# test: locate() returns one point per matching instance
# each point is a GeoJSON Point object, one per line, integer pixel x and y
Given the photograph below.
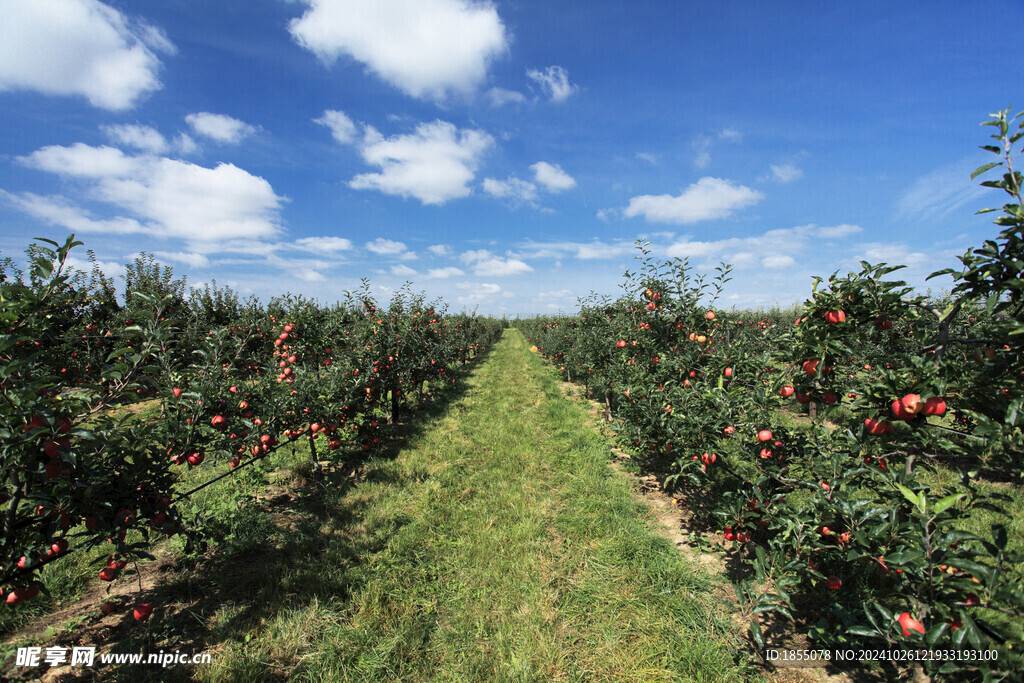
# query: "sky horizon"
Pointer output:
{"type": "Point", "coordinates": [504, 156]}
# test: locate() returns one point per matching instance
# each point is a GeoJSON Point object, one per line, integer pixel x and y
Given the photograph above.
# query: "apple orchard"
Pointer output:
{"type": "Point", "coordinates": [845, 453]}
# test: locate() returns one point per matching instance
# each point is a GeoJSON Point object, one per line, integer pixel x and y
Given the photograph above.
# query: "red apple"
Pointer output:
{"type": "Point", "coordinates": [936, 405]}
{"type": "Point", "coordinates": [835, 317]}
{"type": "Point", "coordinates": [900, 412]}
{"type": "Point", "coordinates": [764, 435]}
{"type": "Point", "coordinates": [877, 427]}
{"type": "Point", "coordinates": [787, 391]}
{"type": "Point", "coordinates": [21, 594]}
{"type": "Point", "coordinates": [142, 612]}
{"type": "Point", "coordinates": [912, 403]}
{"type": "Point", "coordinates": [909, 623]}
{"type": "Point", "coordinates": [108, 607]}
{"type": "Point", "coordinates": [835, 583]}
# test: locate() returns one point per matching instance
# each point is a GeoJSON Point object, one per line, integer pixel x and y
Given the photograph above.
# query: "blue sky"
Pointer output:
{"type": "Point", "coordinates": [502, 155]}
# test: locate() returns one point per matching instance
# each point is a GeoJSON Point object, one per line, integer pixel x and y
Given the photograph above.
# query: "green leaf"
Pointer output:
{"type": "Point", "coordinates": [936, 632]}
{"type": "Point", "coordinates": [973, 632]}
{"type": "Point", "coordinates": [1013, 410]}
{"type": "Point", "coordinates": [981, 169]}
{"type": "Point", "coordinates": [992, 302]}
{"type": "Point", "coordinates": [999, 535]}
{"type": "Point", "coordinates": [909, 495]}
{"type": "Point", "coordinates": [117, 353]}
{"type": "Point", "coordinates": [945, 503]}
{"type": "Point", "coordinates": [944, 271]}
{"type": "Point", "coordinates": [862, 631]}
{"type": "Point", "coordinates": [755, 633]}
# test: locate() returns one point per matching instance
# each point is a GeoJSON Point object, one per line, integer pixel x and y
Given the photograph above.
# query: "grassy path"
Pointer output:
{"type": "Point", "coordinates": [499, 546]}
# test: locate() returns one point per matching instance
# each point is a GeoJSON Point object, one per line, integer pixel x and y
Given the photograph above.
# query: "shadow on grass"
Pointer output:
{"type": "Point", "coordinates": [307, 546]}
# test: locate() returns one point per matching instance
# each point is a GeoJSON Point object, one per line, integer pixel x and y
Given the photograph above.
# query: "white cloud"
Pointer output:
{"type": "Point", "coordinates": [403, 271]}
{"type": "Point", "coordinates": [442, 273]}
{"type": "Point", "coordinates": [940, 192]}
{"type": "Point", "coordinates": [743, 259]}
{"type": "Point", "coordinates": [648, 157]}
{"type": "Point", "coordinates": [498, 267]}
{"type": "Point", "coordinates": [320, 244]}
{"type": "Point", "coordinates": [478, 292]}
{"type": "Point", "coordinates": [687, 248]}
{"type": "Point", "coordinates": [837, 231]}
{"type": "Point", "coordinates": [773, 249]}
{"type": "Point", "coordinates": [79, 47]}
{"type": "Point", "coordinates": [167, 197]}
{"type": "Point", "coordinates": [185, 144]}
{"type": "Point", "coordinates": [199, 203]}
{"type": "Point", "coordinates": [554, 81]}
{"type": "Point", "coordinates": [786, 173]}
{"type": "Point", "coordinates": [439, 249]}
{"type": "Point", "coordinates": [219, 127]}
{"type": "Point", "coordinates": [111, 269]}
{"type": "Point", "coordinates": [143, 138]}
{"type": "Point", "coordinates": [435, 164]}
{"type": "Point", "coordinates": [513, 188]}
{"type": "Point", "coordinates": [500, 97]}
{"type": "Point", "coordinates": [385, 247]}
{"type": "Point", "coordinates": [702, 145]}
{"type": "Point", "coordinates": [893, 254]}
{"type": "Point", "coordinates": [426, 48]}
{"type": "Point", "coordinates": [560, 294]}
{"type": "Point", "coordinates": [57, 210]}
{"type": "Point", "coordinates": [306, 274]}
{"type": "Point", "coordinates": [307, 270]}
{"type": "Point", "coordinates": [582, 250]}
{"type": "Point", "coordinates": [778, 261]}
{"type": "Point", "coordinates": [343, 130]}
{"type": "Point", "coordinates": [707, 199]}
{"type": "Point", "coordinates": [186, 257]}
{"type": "Point", "coordinates": [552, 177]}
{"type": "Point", "coordinates": [83, 161]}
{"type": "Point", "coordinates": [474, 255]}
